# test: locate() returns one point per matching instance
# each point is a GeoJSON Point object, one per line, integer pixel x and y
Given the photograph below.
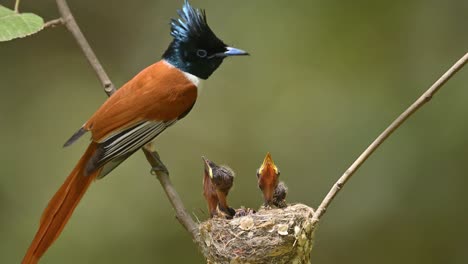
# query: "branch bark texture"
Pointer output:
{"type": "Point", "coordinates": [74, 29]}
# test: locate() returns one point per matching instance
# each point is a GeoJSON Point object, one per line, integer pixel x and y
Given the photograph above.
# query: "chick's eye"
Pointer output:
{"type": "Point", "coordinates": [202, 53]}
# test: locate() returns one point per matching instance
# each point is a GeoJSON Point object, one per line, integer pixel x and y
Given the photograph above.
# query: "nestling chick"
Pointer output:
{"type": "Point", "coordinates": [267, 176]}
{"type": "Point", "coordinates": [209, 191]}
{"type": "Point", "coordinates": [279, 196]}
{"type": "Point", "coordinates": [222, 179]}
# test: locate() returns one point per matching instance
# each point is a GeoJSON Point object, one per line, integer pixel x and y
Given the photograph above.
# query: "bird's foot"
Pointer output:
{"type": "Point", "coordinates": [158, 165]}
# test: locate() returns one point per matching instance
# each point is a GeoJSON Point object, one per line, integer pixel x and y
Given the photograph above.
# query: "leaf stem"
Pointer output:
{"type": "Point", "coordinates": [53, 23]}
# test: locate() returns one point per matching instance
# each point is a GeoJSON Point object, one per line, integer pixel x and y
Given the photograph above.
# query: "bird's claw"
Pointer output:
{"type": "Point", "coordinates": [159, 166]}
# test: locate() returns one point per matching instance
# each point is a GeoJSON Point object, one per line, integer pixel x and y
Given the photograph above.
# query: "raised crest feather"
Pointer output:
{"type": "Point", "coordinates": [192, 23]}
{"type": "Point", "coordinates": [195, 49]}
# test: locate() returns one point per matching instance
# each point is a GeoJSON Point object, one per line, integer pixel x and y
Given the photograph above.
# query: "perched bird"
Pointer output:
{"type": "Point", "coordinates": [140, 110]}
{"type": "Point", "coordinates": [268, 175]}
{"type": "Point", "coordinates": [279, 196]}
{"type": "Point", "coordinates": [222, 179]}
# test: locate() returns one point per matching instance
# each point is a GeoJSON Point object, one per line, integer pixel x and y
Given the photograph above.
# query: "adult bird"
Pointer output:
{"type": "Point", "coordinates": [221, 179]}
{"type": "Point", "coordinates": [267, 176]}
{"type": "Point", "coordinates": [140, 110]}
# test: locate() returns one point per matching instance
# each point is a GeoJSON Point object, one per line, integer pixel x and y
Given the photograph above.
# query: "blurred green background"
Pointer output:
{"type": "Point", "coordinates": [324, 79]}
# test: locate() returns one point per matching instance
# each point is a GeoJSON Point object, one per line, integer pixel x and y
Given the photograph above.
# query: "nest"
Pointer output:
{"type": "Point", "coordinates": [267, 236]}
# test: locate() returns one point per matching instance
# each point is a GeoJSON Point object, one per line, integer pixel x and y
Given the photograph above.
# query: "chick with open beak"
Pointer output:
{"type": "Point", "coordinates": [209, 191]}
{"type": "Point", "coordinates": [217, 182]}
{"type": "Point", "coordinates": [268, 175]}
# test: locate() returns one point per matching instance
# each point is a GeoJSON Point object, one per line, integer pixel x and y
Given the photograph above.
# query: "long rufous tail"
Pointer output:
{"type": "Point", "coordinates": [60, 208]}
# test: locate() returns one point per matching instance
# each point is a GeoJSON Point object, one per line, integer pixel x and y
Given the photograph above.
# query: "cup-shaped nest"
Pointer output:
{"type": "Point", "coordinates": [268, 236]}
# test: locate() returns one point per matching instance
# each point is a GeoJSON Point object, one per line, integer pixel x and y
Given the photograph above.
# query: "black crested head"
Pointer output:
{"type": "Point", "coordinates": [195, 48]}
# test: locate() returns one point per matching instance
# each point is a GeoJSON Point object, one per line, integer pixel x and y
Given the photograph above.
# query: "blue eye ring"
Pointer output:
{"type": "Point", "coordinates": [202, 53]}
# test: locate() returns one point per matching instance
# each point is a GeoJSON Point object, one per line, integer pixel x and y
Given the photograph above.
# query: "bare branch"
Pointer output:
{"type": "Point", "coordinates": [181, 213]}
{"type": "Point", "coordinates": [72, 26]}
{"type": "Point", "coordinates": [53, 23]}
{"type": "Point", "coordinates": [426, 97]}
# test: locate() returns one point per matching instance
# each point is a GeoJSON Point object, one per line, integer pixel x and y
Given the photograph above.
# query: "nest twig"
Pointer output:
{"type": "Point", "coordinates": [268, 236]}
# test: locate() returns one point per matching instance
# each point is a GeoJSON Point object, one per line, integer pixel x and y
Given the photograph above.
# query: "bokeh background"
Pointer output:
{"type": "Point", "coordinates": [324, 79]}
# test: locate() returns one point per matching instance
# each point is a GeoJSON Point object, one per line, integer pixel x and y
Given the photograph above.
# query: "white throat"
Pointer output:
{"type": "Point", "coordinates": [192, 78]}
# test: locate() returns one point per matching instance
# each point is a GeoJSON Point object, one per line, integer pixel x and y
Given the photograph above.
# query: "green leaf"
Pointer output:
{"type": "Point", "coordinates": [18, 25]}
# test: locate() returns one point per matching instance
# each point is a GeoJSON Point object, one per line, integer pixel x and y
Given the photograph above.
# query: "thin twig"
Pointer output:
{"type": "Point", "coordinates": [181, 213]}
{"type": "Point", "coordinates": [53, 23]}
{"type": "Point", "coordinates": [17, 6]}
{"type": "Point", "coordinates": [425, 97]}
{"type": "Point", "coordinates": [72, 26]}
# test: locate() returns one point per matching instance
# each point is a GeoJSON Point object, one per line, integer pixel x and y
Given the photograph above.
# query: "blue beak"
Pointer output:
{"type": "Point", "coordinates": [230, 51]}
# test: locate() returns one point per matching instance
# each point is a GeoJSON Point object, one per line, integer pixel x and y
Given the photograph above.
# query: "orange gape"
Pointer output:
{"type": "Point", "coordinates": [267, 183]}
{"type": "Point", "coordinates": [60, 208]}
{"type": "Point", "coordinates": [268, 175]}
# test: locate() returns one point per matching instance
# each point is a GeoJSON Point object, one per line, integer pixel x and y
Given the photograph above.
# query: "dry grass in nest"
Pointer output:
{"type": "Point", "coordinates": [268, 236]}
